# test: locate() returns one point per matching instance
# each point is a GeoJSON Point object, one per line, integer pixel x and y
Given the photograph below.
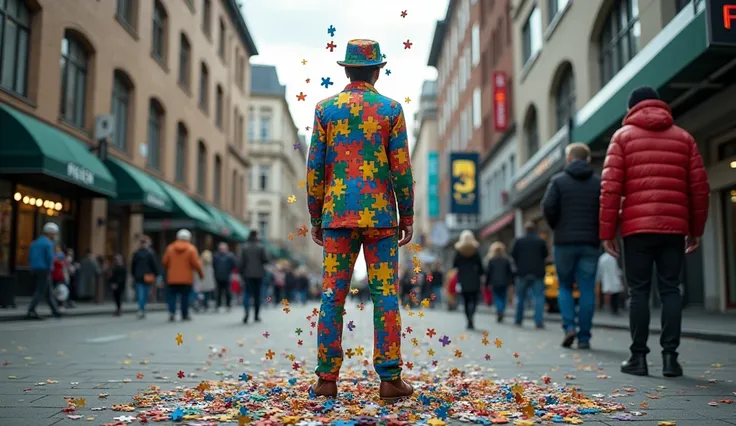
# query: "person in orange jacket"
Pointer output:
{"type": "Point", "coordinates": [181, 261]}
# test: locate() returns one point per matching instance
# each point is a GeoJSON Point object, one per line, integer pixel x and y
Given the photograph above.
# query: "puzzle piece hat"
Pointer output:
{"type": "Point", "coordinates": [363, 53]}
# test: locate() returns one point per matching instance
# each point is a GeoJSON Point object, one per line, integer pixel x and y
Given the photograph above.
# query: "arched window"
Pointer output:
{"type": "Point", "coordinates": [74, 66]}
{"type": "Point", "coordinates": [201, 168]}
{"type": "Point", "coordinates": [204, 83]}
{"type": "Point", "coordinates": [15, 28]}
{"type": "Point", "coordinates": [158, 41]}
{"type": "Point", "coordinates": [221, 40]}
{"type": "Point", "coordinates": [234, 202]}
{"type": "Point", "coordinates": [219, 101]}
{"type": "Point", "coordinates": [185, 61]}
{"type": "Point", "coordinates": [565, 97]}
{"type": "Point", "coordinates": [619, 39]}
{"type": "Point", "coordinates": [155, 133]}
{"type": "Point", "coordinates": [218, 179]}
{"type": "Point", "coordinates": [531, 133]}
{"type": "Point", "coordinates": [122, 91]}
{"type": "Point", "coordinates": [182, 140]}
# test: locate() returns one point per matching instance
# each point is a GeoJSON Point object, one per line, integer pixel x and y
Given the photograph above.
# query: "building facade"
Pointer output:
{"type": "Point", "coordinates": [170, 79]}
{"type": "Point", "coordinates": [576, 63]}
{"type": "Point", "coordinates": [278, 155]}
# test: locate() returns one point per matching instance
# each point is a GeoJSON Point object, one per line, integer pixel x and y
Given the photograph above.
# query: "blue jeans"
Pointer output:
{"type": "Point", "coordinates": [522, 289]}
{"type": "Point", "coordinates": [182, 292]}
{"type": "Point", "coordinates": [499, 298]}
{"type": "Point", "coordinates": [141, 293]}
{"type": "Point", "coordinates": [577, 263]}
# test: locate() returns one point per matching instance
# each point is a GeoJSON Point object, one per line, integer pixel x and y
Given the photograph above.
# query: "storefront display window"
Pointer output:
{"type": "Point", "coordinates": [729, 218]}
{"type": "Point", "coordinates": [6, 218]}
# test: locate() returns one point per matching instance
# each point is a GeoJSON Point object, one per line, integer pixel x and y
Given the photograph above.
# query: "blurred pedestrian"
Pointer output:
{"type": "Point", "coordinates": [253, 260]}
{"type": "Point", "coordinates": [90, 272]}
{"type": "Point", "coordinates": [609, 275]}
{"type": "Point", "coordinates": [438, 280]}
{"type": "Point", "coordinates": [117, 279]}
{"type": "Point", "coordinates": [405, 285]}
{"type": "Point", "coordinates": [530, 254]}
{"type": "Point", "coordinates": [290, 281]}
{"type": "Point", "coordinates": [570, 207]}
{"type": "Point", "coordinates": [469, 273]}
{"type": "Point", "coordinates": [41, 262]}
{"type": "Point", "coordinates": [181, 262]}
{"type": "Point", "coordinates": [71, 277]}
{"type": "Point", "coordinates": [223, 264]}
{"type": "Point", "coordinates": [58, 277]}
{"type": "Point", "coordinates": [145, 271]}
{"type": "Point", "coordinates": [656, 188]}
{"type": "Point", "coordinates": [452, 290]}
{"type": "Point", "coordinates": [302, 287]}
{"type": "Point", "coordinates": [205, 286]}
{"type": "Point", "coordinates": [500, 276]}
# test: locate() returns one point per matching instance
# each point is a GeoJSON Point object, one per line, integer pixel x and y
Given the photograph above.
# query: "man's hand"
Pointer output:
{"type": "Point", "coordinates": [611, 247]}
{"type": "Point", "coordinates": [405, 232]}
{"type": "Point", "coordinates": [691, 244]}
{"type": "Point", "coordinates": [317, 235]}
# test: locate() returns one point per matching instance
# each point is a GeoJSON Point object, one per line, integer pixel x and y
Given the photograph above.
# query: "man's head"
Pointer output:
{"type": "Point", "coordinates": [51, 230]}
{"type": "Point", "coordinates": [577, 151]}
{"type": "Point", "coordinates": [530, 227]}
{"type": "Point", "coordinates": [222, 247]}
{"type": "Point", "coordinates": [363, 74]}
{"type": "Point", "coordinates": [640, 94]}
{"type": "Point", "coordinates": [253, 236]}
{"type": "Point", "coordinates": [184, 235]}
{"type": "Point", "coordinates": [145, 242]}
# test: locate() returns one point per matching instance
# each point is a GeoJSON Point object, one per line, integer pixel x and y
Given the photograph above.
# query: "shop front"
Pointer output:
{"type": "Point", "coordinates": [497, 215]}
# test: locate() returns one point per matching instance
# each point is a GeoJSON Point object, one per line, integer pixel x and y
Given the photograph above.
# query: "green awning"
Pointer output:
{"type": "Point", "coordinates": [138, 187]}
{"type": "Point", "coordinates": [219, 224]}
{"type": "Point", "coordinates": [30, 146]}
{"type": "Point", "coordinates": [239, 229]}
{"type": "Point", "coordinates": [187, 208]}
{"type": "Point", "coordinates": [272, 250]}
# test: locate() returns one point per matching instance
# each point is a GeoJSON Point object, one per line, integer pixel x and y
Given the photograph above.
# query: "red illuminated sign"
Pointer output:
{"type": "Point", "coordinates": [729, 15]}
{"type": "Point", "coordinates": [721, 22]}
{"type": "Point", "coordinates": [500, 102]}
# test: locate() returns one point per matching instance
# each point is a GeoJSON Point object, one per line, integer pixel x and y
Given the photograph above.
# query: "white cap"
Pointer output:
{"type": "Point", "coordinates": [50, 228]}
{"type": "Point", "coordinates": [184, 235]}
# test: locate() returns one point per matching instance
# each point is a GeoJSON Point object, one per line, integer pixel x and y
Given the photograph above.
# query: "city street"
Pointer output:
{"type": "Point", "coordinates": [111, 368]}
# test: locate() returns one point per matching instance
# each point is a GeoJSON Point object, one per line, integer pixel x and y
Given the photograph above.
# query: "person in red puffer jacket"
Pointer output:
{"type": "Point", "coordinates": [655, 187]}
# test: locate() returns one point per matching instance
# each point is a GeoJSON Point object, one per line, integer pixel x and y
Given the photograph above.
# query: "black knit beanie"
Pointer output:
{"type": "Point", "coordinates": [642, 94]}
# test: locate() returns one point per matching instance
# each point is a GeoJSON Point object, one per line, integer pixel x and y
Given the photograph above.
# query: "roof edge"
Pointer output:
{"type": "Point", "coordinates": [234, 10]}
{"type": "Point", "coordinates": [438, 40]}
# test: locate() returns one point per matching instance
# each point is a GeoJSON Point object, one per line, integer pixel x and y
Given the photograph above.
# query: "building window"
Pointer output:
{"type": "Point", "coordinates": [531, 133]}
{"type": "Point", "coordinates": [204, 84]}
{"type": "Point", "coordinates": [185, 58]}
{"type": "Point", "coordinates": [221, 40]}
{"type": "Point", "coordinates": [263, 172]}
{"type": "Point", "coordinates": [477, 113]}
{"type": "Point", "coordinates": [15, 23]}
{"type": "Point", "coordinates": [218, 106]}
{"type": "Point", "coordinates": [124, 12]}
{"type": "Point", "coordinates": [475, 38]}
{"type": "Point", "coordinates": [263, 219]}
{"type": "Point", "coordinates": [265, 133]}
{"type": "Point", "coordinates": [158, 44]}
{"type": "Point", "coordinates": [201, 168]}
{"type": "Point", "coordinates": [207, 18]}
{"type": "Point", "coordinates": [565, 97]}
{"type": "Point", "coordinates": [182, 139]}
{"type": "Point", "coordinates": [74, 64]}
{"type": "Point", "coordinates": [120, 109]}
{"type": "Point", "coordinates": [251, 124]}
{"type": "Point", "coordinates": [218, 179]}
{"type": "Point", "coordinates": [241, 125]}
{"type": "Point", "coordinates": [680, 4]}
{"type": "Point", "coordinates": [619, 39]}
{"type": "Point", "coordinates": [531, 35]}
{"type": "Point", "coordinates": [241, 196]}
{"type": "Point", "coordinates": [555, 7]}
{"type": "Point", "coordinates": [155, 130]}
{"type": "Point", "coordinates": [234, 195]}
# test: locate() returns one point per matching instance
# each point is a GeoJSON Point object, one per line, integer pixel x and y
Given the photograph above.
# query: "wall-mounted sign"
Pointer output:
{"type": "Point", "coordinates": [464, 167]}
{"type": "Point", "coordinates": [500, 102]}
{"type": "Point", "coordinates": [80, 174]}
{"type": "Point", "coordinates": [539, 169]}
{"type": "Point", "coordinates": [155, 201]}
{"type": "Point", "coordinates": [721, 22]}
{"type": "Point", "coordinates": [433, 184]}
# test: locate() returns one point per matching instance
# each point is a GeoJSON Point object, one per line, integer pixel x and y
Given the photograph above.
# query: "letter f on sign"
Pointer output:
{"type": "Point", "coordinates": [729, 15]}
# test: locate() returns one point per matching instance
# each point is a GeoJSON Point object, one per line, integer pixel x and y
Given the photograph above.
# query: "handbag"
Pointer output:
{"type": "Point", "coordinates": [149, 278]}
{"type": "Point", "coordinates": [487, 296]}
{"type": "Point", "coordinates": [235, 283]}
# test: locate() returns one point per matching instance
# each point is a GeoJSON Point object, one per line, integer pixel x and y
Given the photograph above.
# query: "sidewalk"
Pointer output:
{"type": "Point", "coordinates": [81, 309]}
{"type": "Point", "coordinates": [696, 323]}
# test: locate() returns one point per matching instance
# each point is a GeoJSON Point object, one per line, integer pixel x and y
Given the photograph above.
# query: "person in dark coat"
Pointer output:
{"type": "Point", "coordinates": [145, 270]}
{"type": "Point", "coordinates": [253, 261]}
{"type": "Point", "coordinates": [500, 275]}
{"type": "Point", "coordinates": [469, 272]}
{"type": "Point", "coordinates": [530, 254]}
{"type": "Point", "coordinates": [223, 264]}
{"type": "Point", "coordinates": [117, 279]}
{"type": "Point", "coordinates": [438, 279]}
{"type": "Point", "coordinates": [570, 207]}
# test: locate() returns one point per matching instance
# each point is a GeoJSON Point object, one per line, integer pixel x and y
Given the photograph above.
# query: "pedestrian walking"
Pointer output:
{"type": "Point", "coordinates": [223, 264]}
{"type": "Point", "coordinates": [181, 262]}
{"type": "Point", "coordinates": [530, 255]}
{"type": "Point", "coordinates": [469, 273]}
{"type": "Point", "coordinates": [205, 286]}
{"type": "Point", "coordinates": [570, 206]}
{"type": "Point", "coordinates": [656, 188]}
{"type": "Point", "coordinates": [253, 261]}
{"type": "Point", "coordinates": [290, 280]}
{"type": "Point", "coordinates": [500, 275]}
{"type": "Point", "coordinates": [41, 262]}
{"type": "Point", "coordinates": [609, 275]}
{"type": "Point", "coordinates": [344, 146]}
{"type": "Point", "coordinates": [88, 276]}
{"type": "Point", "coordinates": [452, 290]}
{"type": "Point", "coordinates": [145, 270]}
{"type": "Point", "coordinates": [58, 278]}
{"type": "Point", "coordinates": [438, 278]}
{"type": "Point", "coordinates": [117, 279]}
{"type": "Point", "coordinates": [405, 285]}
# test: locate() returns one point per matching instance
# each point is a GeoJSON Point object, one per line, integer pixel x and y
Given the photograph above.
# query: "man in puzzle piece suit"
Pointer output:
{"type": "Point", "coordinates": [357, 171]}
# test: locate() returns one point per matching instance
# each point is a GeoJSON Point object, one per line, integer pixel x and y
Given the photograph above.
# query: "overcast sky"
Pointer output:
{"type": "Point", "coordinates": [287, 31]}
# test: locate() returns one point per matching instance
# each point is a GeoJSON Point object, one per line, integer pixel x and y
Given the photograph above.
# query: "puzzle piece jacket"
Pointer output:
{"type": "Point", "coordinates": [358, 168]}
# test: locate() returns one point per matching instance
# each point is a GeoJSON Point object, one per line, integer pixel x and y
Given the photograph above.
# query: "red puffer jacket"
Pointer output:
{"type": "Point", "coordinates": [656, 169]}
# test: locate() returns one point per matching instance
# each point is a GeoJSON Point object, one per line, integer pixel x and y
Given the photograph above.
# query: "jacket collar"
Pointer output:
{"type": "Point", "coordinates": [361, 86]}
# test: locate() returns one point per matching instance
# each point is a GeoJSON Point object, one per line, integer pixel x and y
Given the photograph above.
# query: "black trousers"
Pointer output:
{"type": "Point", "coordinates": [252, 289]}
{"type": "Point", "coordinates": [641, 253]}
{"type": "Point", "coordinates": [223, 288]}
{"type": "Point", "coordinates": [470, 300]}
{"type": "Point", "coordinates": [117, 295]}
{"type": "Point", "coordinates": [42, 280]}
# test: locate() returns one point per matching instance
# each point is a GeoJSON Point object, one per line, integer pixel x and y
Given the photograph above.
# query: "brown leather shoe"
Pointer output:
{"type": "Point", "coordinates": [325, 388]}
{"type": "Point", "coordinates": [394, 390]}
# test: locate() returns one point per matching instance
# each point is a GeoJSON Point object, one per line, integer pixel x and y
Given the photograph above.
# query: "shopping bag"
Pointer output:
{"type": "Point", "coordinates": [487, 296]}
{"type": "Point", "coordinates": [235, 286]}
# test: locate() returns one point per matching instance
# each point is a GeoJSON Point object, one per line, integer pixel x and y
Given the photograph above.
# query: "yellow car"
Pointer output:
{"type": "Point", "coordinates": [552, 289]}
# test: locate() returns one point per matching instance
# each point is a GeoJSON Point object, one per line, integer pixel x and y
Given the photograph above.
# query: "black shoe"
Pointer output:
{"type": "Point", "coordinates": [186, 318]}
{"type": "Point", "coordinates": [583, 345]}
{"type": "Point", "coordinates": [540, 326]}
{"type": "Point", "coordinates": [499, 318]}
{"type": "Point", "coordinates": [172, 318]}
{"type": "Point", "coordinates": [258, 319]}
{"type": "Point", "coordinates": [569, 339]}
{"type": "Point", "coordinates": [245, 319]}
{"type": "Point", "coordinates": [33, 316]}
{"type": "Point", "coordinates": [636, 365]}
{"type": "Point", "coordinates": [470, 326]}
{"type": "Point", "coordinates": [670, 366]}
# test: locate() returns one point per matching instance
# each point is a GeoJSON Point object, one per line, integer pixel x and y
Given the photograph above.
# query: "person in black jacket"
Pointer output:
{"type": "Point", "coordinates": [145, 271]}
{"type": "Point", "coordinates": [500, 275]}
{"type": "Point", "coordinates": [570, 206]}
{"type": "Point", "coordinates": [117, 279]}
{"type": "Point", "coordinates": [530, 254]}
{"type": "Point", "coordinates": [223, 264]}
{"type": "Point", "coordinates": [469, 272]}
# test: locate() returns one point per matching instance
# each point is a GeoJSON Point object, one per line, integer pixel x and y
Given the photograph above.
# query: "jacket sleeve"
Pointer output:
{"type": "Point", "coordinates": [479, 263]}
{"type": "Point", "coordinates": [489, 270]}
{"type": "Point", "coordinates": [401, 173]}
{"type": "Point", "coordinates": [196, 264]}
{"type": "Point", "coordinates": [699, 191]}
{"type": "Point", "coordinates": [612, 182]}
{"type": "Point", "coordinates": [316, 169]}
{"type": "Point", "coordinates": [510, 270]}
{"type": "Point", "coordinates": [551, 204]}
{"type": "Point", "coordinates": [455, 261]}
{"type": "Point", "coordinates": [153, 263]}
